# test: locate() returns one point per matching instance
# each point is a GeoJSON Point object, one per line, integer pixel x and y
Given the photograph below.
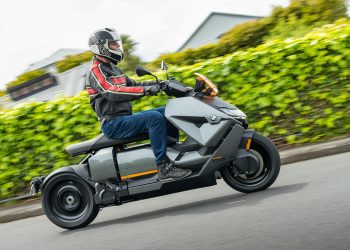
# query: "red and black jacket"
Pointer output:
{"type": "Point", "coordinates": [111, 91]}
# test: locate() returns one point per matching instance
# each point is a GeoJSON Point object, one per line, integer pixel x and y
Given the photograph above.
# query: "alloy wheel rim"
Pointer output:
{"type": "Point", "coordinates": [69, 201]}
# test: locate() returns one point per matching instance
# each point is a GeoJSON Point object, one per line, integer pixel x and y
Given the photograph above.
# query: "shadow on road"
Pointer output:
{"type": "Point", "coordinates": [200, 207]}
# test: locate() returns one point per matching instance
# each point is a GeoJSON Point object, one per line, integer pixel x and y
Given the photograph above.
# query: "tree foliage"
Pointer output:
{"type": "Point", "coordinates": [130, 61]}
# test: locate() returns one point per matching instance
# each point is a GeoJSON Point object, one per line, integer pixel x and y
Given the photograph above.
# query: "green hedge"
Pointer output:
{"type": "Point", "coordinates": [286, 87]}
{"type": "Point", "coordinates": [301, 16]}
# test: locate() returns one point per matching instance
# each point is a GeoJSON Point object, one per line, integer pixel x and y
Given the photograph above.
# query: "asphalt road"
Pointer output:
{"type": "Point", "coordinates": [307, 208]}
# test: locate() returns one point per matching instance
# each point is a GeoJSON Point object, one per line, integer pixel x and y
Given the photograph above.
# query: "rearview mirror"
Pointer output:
{"type": "Point", "coordinates": [163, 66]}
{"type": "Point", "coordinates": [141, 71]}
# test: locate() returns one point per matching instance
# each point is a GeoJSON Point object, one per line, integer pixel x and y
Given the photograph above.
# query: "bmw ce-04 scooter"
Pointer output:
{"type": "Point", "coordinates": [218, 143]}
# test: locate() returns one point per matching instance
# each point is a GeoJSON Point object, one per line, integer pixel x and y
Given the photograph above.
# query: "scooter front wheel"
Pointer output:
{"type": "Point", "coordinates": [68, 201]}
{"type": "Point", "coordinates": [269, 167]}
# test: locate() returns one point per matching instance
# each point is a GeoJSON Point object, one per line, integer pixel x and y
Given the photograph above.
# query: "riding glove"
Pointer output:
{"type": "Point", "coordinates": [152, 90]}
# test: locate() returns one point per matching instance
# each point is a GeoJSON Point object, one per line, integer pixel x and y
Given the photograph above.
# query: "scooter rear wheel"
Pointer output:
{"type": "Point", "coordinates": [264, 149]}
{"type": "Point", "coordinates": [68, 201]}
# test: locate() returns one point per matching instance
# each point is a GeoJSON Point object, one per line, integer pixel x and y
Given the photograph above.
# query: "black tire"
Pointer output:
{"type": "Point", "coordinates": [68, 201]}
{"type": "Point", "coordinates": [265, 149]}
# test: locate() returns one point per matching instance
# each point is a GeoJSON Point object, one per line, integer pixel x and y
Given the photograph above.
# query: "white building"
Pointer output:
{"type": "Point", "coordinates": [68, 83]}
{"type": "Point", "coordinates": [46, 87]}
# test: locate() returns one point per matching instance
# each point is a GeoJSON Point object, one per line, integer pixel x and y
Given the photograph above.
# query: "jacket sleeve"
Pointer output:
{"type": "Point", "coordinates": [114, 89]}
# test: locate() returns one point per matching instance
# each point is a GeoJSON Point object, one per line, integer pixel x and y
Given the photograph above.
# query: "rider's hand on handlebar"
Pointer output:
{"type": "Point", "coordinates": [152, 90]}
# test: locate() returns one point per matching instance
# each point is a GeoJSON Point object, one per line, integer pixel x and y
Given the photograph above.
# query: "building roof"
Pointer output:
{"type": "Point", "coordinates": [57, 56]}
{"type": "Point", "coordinates": [212, 16]}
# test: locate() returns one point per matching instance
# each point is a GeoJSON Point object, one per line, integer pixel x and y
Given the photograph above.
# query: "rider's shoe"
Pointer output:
{"type": "Point", "coordinates": [166, 170]}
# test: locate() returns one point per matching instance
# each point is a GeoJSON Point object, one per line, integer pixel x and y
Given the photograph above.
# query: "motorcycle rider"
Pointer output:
{"type": "Point", "coordinates": [111, 93]}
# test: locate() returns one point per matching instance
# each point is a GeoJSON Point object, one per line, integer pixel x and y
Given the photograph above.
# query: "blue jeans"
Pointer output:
{"type": "Point", "coordinates": [149, 121]}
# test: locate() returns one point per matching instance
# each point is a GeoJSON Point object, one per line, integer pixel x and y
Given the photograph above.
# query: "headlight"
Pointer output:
{"type": "Point", "coordinates": [235, 113]}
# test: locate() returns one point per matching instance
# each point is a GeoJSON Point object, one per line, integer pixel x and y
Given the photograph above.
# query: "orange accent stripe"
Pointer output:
{"type": "Point", "coordinates": [247, 147]}
{"type": "Point", "coordinates": [124, 177]}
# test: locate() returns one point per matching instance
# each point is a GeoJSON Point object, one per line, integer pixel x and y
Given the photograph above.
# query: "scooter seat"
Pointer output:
{"type": "Point", "coordinates": [100, 142]}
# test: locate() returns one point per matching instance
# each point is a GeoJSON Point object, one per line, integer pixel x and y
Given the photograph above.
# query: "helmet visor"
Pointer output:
{"type": "Point", "coordinates": [115, 45]}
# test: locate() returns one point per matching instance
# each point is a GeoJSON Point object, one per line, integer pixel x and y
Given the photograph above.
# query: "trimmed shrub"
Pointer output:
{"type": "Point", "coordinates": [301, 16]}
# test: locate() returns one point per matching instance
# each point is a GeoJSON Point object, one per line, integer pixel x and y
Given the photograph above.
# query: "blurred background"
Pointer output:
{"type": "Point", "coordinates": [284, 63]}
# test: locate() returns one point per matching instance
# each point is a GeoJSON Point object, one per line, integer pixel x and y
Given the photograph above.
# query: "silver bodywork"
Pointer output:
{"type": "Point", "coordinates": [130, 161]}
{"type": "Point", "coordinates": [102, 165]}
{"type": "Point", "coordinates": [181, 112]}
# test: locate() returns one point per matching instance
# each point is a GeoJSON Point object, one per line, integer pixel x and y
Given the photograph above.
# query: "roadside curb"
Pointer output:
{"type": "Point", "coordinates": [33, 208]}
{"type": "Point", "coordinates": [315, 151]}
{"type": "Point", "coordinates": [28, 209]}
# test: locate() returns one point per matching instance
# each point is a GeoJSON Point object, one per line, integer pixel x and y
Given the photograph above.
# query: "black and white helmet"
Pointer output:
{"type": "Point", "coordinates": [107, 43]}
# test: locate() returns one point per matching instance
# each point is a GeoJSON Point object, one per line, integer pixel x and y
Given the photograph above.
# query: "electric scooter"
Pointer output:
{"type": "Point", "coordinates": [218, 144]}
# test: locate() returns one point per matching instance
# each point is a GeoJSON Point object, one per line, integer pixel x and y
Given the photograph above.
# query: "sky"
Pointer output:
{"type": "Point", "coordinates": [33, 30]}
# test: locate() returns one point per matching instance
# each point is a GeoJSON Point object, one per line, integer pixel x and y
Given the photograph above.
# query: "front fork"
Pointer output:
{"type": "Point", "coordinates": [246, 162]}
